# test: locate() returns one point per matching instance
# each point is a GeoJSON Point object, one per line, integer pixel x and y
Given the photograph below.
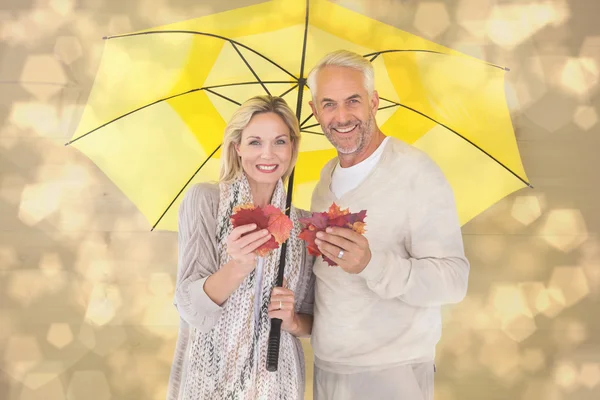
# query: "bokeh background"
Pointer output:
{"type": "Point", "coordinates": [86, 289]}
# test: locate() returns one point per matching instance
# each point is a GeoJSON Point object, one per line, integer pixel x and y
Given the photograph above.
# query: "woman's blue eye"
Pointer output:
{"type": "Point", "coordinates": [254, 142]}
{"type": "Point", "coordinates": [281, 141]}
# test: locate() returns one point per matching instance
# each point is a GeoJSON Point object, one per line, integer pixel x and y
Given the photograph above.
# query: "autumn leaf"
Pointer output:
{"type": "Point", "coordinates": [270, 209]}
{"type": "Point", "coordinates": [309, 236]}
{"type": "Point", "coordinates": [245, 206]}
{"type": "Point", "coordinates": [335, 211]}
{"type": "Point", "coordinates": [268, 217]}
{"type": "Point", "coordinates": [339, 221]}
{"type": "Point", "coordinates": [320, 221]}
{"type": "Point", "coordinates": [356, 217]}
{"type": "Point", "coordinates": [267, 247]}
{"type": "Point", "coordinates": [279, 224]}
{"type": "Point", "coordinates": [247, 216]}
{"type": "Point", "coordinates": [358, 227]}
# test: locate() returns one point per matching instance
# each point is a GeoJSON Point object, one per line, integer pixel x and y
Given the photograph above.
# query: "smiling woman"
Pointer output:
{"type": "Point", "coordinates": [224, 292]}
{"type": "Point", "coordinates": [265, 151]}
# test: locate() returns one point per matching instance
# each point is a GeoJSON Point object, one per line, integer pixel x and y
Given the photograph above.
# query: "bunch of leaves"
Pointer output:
{"type": "Point", "coordinates": [269, 217]}
{"type": "Point", "coordinates": [320, 221]}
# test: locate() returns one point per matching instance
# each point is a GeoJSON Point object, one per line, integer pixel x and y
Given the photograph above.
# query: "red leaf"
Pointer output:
{"type": "Point", "coordinates": [356, 217]}
{"type": "Point", "coordinates": [267, 247]}
{"type": "Point", "coordinates": [269, 210]}
{"type": "Point", "coordinates": [333, 217]}
{"type": "Point", "coordinates": [309, 236]}
{"type": "Point", "coordinates": [339, 221]}
{"type": "Point", "coordinates": [269, 217]}
{"type": "Point", "coordinates": [246, 216]}
{"type": "Point", "coordinates": [318, 220]}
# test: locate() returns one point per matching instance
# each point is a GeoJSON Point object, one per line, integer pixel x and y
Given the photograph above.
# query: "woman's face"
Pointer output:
{"type": "Point", "coordinates": [265, 148]}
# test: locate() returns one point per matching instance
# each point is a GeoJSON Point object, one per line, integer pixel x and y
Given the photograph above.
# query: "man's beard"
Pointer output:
{"type": "Point", "coordinates": [360, 137]}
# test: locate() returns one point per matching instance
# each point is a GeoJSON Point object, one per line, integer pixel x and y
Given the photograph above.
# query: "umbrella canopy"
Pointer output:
{"type": "Point", "coordinates": [155, 117]}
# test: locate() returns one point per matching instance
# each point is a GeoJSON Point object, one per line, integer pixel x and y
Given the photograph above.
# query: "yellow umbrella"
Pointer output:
{"type": "Point", "coordinates": [156, 114]}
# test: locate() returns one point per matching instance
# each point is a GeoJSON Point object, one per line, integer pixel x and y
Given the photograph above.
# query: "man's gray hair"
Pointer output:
{"type": "Point", "coordinates": [347, 59]}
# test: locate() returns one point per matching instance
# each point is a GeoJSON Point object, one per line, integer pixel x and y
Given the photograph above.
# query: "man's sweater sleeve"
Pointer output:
{"type": "Point", "coordinates": [437, 270]}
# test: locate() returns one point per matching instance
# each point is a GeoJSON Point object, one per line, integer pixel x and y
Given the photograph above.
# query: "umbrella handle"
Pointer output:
{"type": "Point", "coordinates": [275, 333]}
{"type": "Point", "coordinates": [273, 348]}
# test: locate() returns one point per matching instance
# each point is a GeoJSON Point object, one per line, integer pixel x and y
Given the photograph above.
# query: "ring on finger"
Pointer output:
{"type": "Point", "coordinates": [280, 305]}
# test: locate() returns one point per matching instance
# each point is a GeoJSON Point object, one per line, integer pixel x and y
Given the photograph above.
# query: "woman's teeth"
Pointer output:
{"type": "Point", "coordinates": [267, 167]}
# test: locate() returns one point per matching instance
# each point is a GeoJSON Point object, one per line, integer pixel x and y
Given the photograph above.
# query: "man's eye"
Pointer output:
{"type": "Point", "coordinates": [328, 105]}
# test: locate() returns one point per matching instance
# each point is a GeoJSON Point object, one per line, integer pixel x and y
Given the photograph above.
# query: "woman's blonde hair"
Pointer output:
{"type": "Point", "coordinates": [231, 166]}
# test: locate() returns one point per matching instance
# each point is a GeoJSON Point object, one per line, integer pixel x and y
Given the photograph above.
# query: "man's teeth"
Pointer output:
{"type": "Point", "coordinates": [345, 130]}
{"type": "Point", "coordinates": [267, 168]}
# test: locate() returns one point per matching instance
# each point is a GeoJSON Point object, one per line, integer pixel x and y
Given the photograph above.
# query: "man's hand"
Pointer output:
{"type": "Point", "coordinates": [355, 254]}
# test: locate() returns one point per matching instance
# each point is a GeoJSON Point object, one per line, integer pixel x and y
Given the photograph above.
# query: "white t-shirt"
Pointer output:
{"type": "Point", "coordinates": [344, 180]}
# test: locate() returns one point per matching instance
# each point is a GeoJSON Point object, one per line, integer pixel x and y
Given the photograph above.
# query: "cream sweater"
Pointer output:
{"type": "Point", "coordinates": [389, 314]}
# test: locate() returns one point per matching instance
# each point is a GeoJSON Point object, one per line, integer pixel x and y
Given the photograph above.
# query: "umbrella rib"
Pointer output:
{"type": "Point", "coordinates": [289, 90]}
{"type": "Point", "coordinates": [207, 88]}
{"type": "Point", "coordinates": [250, 68]}
{"type": "Point", "coordinates": [129, 113]}
{"type": "Point", "coordinates": [245, 83]}
{"type": "Point", "coordinates": [314, 133]}
{"type": "Point", "coordinates": [306, 120]}
{"type": "Point", "coordinates": [184, 186]}
{"type": "Point", "coordinates": [462, 137]}
{"type": "Point", "coordinates": [378, 53]}
{"type": "Point", "coordinates": [205, 34]}
{"type": "Point", "coordinates": [223, 97]}
{"type": "Point", "coordinates": [311, 126]}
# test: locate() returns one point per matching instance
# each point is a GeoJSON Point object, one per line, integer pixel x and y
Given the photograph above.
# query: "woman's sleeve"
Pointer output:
{"type": "Point", "coordinates": [198, 257]}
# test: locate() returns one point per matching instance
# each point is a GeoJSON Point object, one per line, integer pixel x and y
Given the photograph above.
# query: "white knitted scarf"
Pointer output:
{"type": "Point", "coordinates": [229, 361]}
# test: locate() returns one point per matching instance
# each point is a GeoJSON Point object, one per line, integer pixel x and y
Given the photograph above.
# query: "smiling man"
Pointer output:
{"type": "Point", "coordinates": [377, 316]}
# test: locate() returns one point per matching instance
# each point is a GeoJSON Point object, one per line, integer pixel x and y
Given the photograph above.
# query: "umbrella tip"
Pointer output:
{"type": "Point", "coordinates": [104, 37]}
{"type": "Point", "coordinates": [506, 69]}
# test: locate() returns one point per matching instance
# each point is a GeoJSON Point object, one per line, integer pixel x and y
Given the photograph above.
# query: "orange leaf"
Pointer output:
{"type": "Point", "coordinates": [359, 227]}
{"type": "Point", "coordinates": [268, 217]}
{"type": "Point", "coordinates": [280, 226]}
{"type": "Point", "coordinates": [335, 211]}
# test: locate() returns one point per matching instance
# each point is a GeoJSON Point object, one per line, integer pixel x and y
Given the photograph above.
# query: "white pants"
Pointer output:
{"type": "Point", "coordinates": [406, 382]}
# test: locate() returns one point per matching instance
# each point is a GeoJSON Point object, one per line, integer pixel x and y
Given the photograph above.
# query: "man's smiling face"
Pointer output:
{"type": "Point", "coordinates": [344, 108]}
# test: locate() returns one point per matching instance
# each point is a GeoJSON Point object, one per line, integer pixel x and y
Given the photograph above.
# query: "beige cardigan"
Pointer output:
{"type": "Point", "coordinates": [198, 259]}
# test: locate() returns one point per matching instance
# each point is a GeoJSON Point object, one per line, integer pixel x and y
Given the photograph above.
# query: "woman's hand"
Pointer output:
{"type": "Point", "coordinates": [282, 306]}
{"type": "Point", "coordinates": [241, 247]}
